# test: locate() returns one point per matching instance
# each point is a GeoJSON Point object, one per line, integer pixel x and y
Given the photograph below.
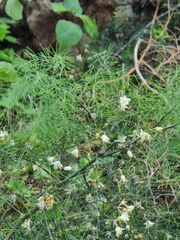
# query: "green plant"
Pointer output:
{"type": "Point", "coordinates": [6, 54]}
{"type": "Point", "coordinates": [97, 158]}
{"type": "Point", "coordinates": [69, 33]}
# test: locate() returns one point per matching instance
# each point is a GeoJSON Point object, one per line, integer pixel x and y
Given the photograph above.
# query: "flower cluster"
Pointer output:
{"type": "Point", "coordinates": [121, 221]}
{"type": "Point", "coordinates": [57, 164]}
{"type": "Point", "coordinates": [124, 218]}
{"type": "Point", "coordinates": [144, 136]}
{"type": "Point", "coordinates": [46, 201]}
{"type": "Point", "coordinates": [27, 225]}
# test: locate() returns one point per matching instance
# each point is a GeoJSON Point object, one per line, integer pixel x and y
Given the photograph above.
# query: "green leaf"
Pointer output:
{"type": "Point", "coordinates": [7, 20]}
{"type": "Point", "coordinates": [18, 186]}
{"type": "Point", "coordinates": [11, 39]}
{"type": "Point", "coordinates": [73, 6]}
{"type": "Point", "coordinates": [7, 55]}
{"type": "Point", "coordinates": [90, 26]}
{"type": "Point", "coordinates": [67, 34]}
{"type": "Point", "coordinates": [3, 31]}
{"type": "Point", "coordinates": [41, 173]}
{"type": "Point", "coordinates": [16, 92]}
{"type": "Point", "coordinates": [83, 161]}
{"type": "Point", "coordinates": [58, 7]}
{"type": "Point", "coordinates": [7, 72]}
{"type": "Point", "coordinates": [14, 9]}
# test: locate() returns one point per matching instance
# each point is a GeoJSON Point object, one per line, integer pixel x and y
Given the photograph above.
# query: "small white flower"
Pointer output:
{"type": "Point", "coordinates": [3, 134]}
{"type": "Point", "coordinates": [124, 102]}
{"type": "Point", "coordinates": [67, 168]}
{"type": "Point", "coordinates": [12, 143]}
{"type": "Point", "coordinates": [57, 165]}
{"type": "Point", "coordinates": [122, 203]}
{"type": "Point", "coordinates": [124, 217]}
{"type": "Point", "coordinates": [123, 179]}
{"type": "Point", "coordinates": [29, 147]}
{"type": "Point", "coordinates": [93, 115]}
{"type": "Point", "coordinates": [130, 208]}
{"type": "Point", "coordinates": [105, 138]}
{"type": "Point", "coordinates": [27, 223]}
{"type": "Point", "coordinates": [75, 152]}
{"type": "Point", "coordinates": [50, 159]}
{"type": "Point", "coordinates": [71, 76]}
{"type": "Point", "coordinates": [144, 136]}
{"type": "Point", "coordinates": [128, 227]}
{"type": "Point", "coordinates": [41, 203]}
{"type": "Point", "coordinates": [79, 58]}
{"type": "Point", "coordinates": [129, 153]}
{"type": "Point", "coordinates": [35, 168]}
{"type": "Point", "coordinates": [148, 224]}
{"type": "Point", "coordinates": [14, 198]}
{"type": "Point", "coordinates": [159, 129]}
{"type": "Point", "coordinates": [108, 234]}
{"type": "Point", "coordinates": [119, 231]}
{"type": "Point", "coordinates": [121, 139]}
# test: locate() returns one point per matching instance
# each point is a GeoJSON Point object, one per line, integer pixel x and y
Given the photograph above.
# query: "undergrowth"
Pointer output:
{"type": "Point", "coordinates": [88, 155]}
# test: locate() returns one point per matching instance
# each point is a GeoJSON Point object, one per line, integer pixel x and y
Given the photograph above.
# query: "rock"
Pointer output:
{"type": "Point", "coordinates": [41, 21]}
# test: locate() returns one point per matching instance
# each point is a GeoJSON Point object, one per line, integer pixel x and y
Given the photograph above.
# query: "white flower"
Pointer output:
{"type": "Point", "coordinates": [57, 165]}
{"type": "Point", "coordinates": [14, 198]}
{"type": "Point", "coordinates": [67, 168]}
{"type": "Point", "coordinates": [128, 227]}
{"type": "Point", "coordinates": [79, 58]}
{"type": "Point", "coordinates": [105, 138]}
{"type": "Point", "coordinates": [3, 134]}
{"type": "Point", "coordinates": [122, 203]}
{"type": "Point", "coordinates": [123, 179]}
{"type": "Point", "coordinates": [75, 152]}
{"type": "Point", "coordinates": [124, 102]}
{"type": "Point", "coordinates": [129, 153]}
{"type": "Point", "coordinates": [124, 217]}
{"type": "Point", "coordinates": [26, 223]}
{"type": "Point", "coordinates": [71, 76]}
{"type": "Point", "coordinates": [50, 159]}
{"type": "Point", "coordinates": [159, 129]}
{"type": "Point", "coordinates": [35, 167]}
{"type": "Point", "coordinates": [41, 203]}
{"type": "Point", "coordinates": [93, 115]}
{"type": "Point", "coordinates": [144, 136]}
{"type": "Point", "coordinates": [12, 143]}
{"type": "Point", "coordinates": [121, 139]}
{"type": "Point", "coordinates": [130, 208]}
{"type": "Point", "coordinates": [119, 231]}
{"type": "Point", "coordinates": [108, 234]}
{"type": "Point", "coordinates": [148, 224]}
